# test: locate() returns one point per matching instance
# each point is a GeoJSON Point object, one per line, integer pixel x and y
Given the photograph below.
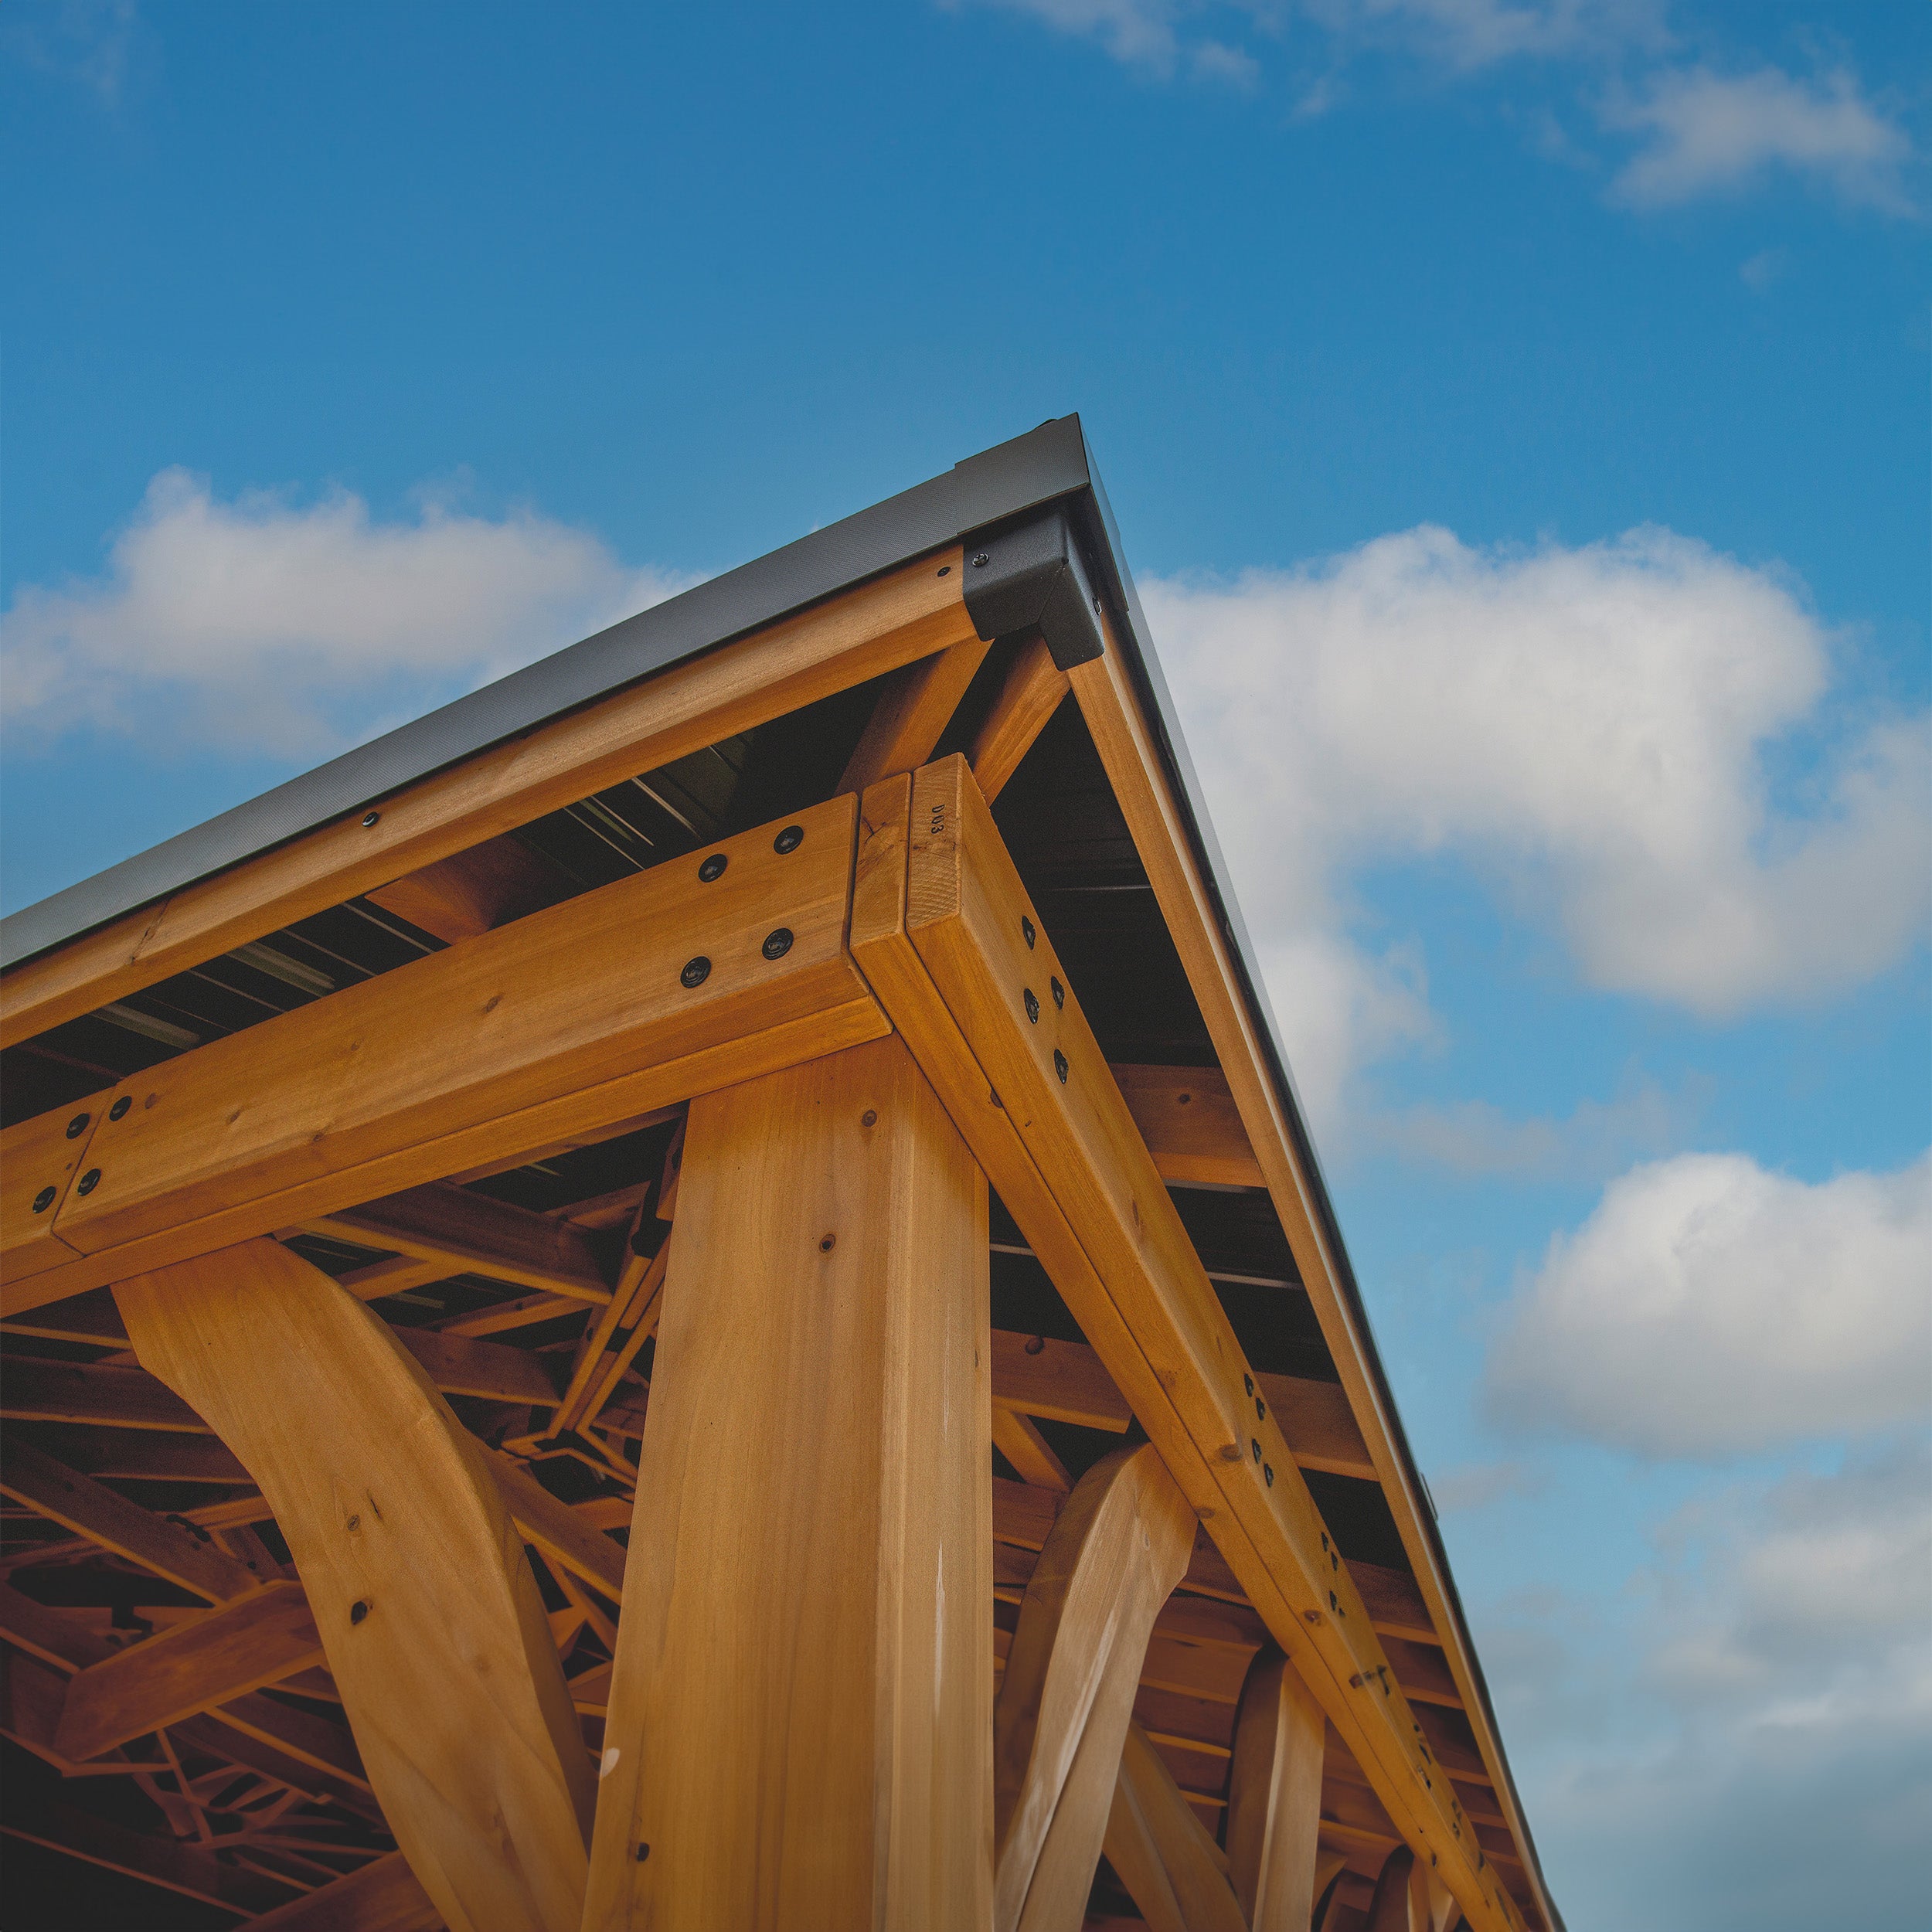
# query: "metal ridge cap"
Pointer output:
{"type": "Point", "coordinates": [1109, 565]}
{"type": "Point", "coordinates": [1047, 462]}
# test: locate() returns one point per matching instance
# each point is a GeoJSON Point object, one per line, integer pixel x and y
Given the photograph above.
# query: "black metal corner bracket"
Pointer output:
{"type": "Point", "coordinates": [1028, 575]}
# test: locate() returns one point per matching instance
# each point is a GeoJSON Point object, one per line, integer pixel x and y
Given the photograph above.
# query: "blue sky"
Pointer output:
{"type": "Point", "coordinates": [1515, 411]}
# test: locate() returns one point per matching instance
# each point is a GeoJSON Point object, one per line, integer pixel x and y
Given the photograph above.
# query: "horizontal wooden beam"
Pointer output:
{"type": "Point", "coordinates": [469, 1233]}
{"type": "Point", "coordinates": [261, 1638]}
{"type": "Point", "coordinates": [845, 640]}
{"type": "Point", "coordinates": [1188, 1119]}
{"type": "Point", "coordinates": [486, 1046]}
{"type": "Point", "coordinates": [999, 1031]}
{"type": "Point", "coordinates": [384, 1895]}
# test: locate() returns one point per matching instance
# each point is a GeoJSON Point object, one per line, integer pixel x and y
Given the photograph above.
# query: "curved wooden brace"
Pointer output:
{"type": "Point", "coordinates": [1120, 1546]}
{"type": "Point", "coordinates": [1274, 1796]}
{"type": "Point", "coordinates": [1157, 1844]}
{"type": "Point", "coordinates": [428, 1613]}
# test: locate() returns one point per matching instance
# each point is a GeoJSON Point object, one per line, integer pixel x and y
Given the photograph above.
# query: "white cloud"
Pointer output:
{"type": "Point", "coordinates": [1597, 1138]}
{"type": "Point", "coordinates": [1766, 1738]}
{"type": "Point", "coordinates": [1140, 33]}
{"type": "Point", "coordinates": [1468, 34]}
{"type": "Point", "coordinates": [263, 627]}
{"type": "Point", "coordinates": [1708, 1308]}
{"type": "Point", "coordinates": [1589, 726]}
{"type": "Point", "coordinates": [1709, 133]}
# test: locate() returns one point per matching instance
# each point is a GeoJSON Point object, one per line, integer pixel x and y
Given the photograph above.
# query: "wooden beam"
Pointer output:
{"type": "Point", "coordinates": [434, 1632]}
{"type": "Point", "coordinates": [1191, 1127]}
{"type": "Point", "coordinates": [1032, 693]}
{"type": "Point", "coordinates": [339, 1782]}
{"type": "Point", "coordinates": [485, 1046]}
{"type": "Point", "coordinates": [1029, 1086]}
{"type": "Point", "coordinates": [560, 1532]}
{"type": "Point", "coordinates": [1274, 1797]}
{"type": "Point", "coordinates": [912, 711]}
{"type": "Point", "coordinates": [92, 1510]}
{"type": "Point", "coordinates": [40, 1159]}
{"type": "Point", "coordinates": [472, 892]}
{"type": "Point", "coordinates": [467, 1233]}
{"type": "Point", "coordinates": [843, 641]}
{"type": "Point", "coordinates": [1172, 1869]}
{"type": "Point", "coordinates": [1119, 1547]}
{"type": "Point", "coordinates": [808, 1589]}
{"type": "Point", "coordinates": [1030, 1453]}
{"type": "Point", "coordinates": [261, 1638]}
{"type": "Point", "coordinates": [1136, 771]}
{"type": "Point", "coordinates": [383, 1896]}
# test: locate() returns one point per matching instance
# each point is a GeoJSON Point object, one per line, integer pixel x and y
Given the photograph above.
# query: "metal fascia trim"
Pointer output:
{"type": "Point", "coordinates": [1029, 575]}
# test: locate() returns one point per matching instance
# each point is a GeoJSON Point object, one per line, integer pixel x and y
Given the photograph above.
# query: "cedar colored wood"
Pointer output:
{"type": "Point", "coordinates": [655, 1052]}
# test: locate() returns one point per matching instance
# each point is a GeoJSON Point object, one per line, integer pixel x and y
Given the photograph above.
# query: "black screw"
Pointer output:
{"type": "Point", "coordinates": [1096, 607]}
{"type": "Point", "coordinates": [1033, 1005]}
{"type": "Point", "coordinates": [696, 971]}
{"type": "Point", "coordinates": [790, 839]}
{"type": "Point", "coordinates": [1059, 992]}
{"type": "Point", "coordinates": [981, 561]}
{"type": "Point", "coordinates": [777, 943]}
{"type": "Point", "coordinates": [1261, 1409]}
{"type": "Point", "coordinates": [78, 1126]}
{"type": "Point", "coordinates": [369, 819]}
{"type": "Point", "coordinates": [90, 1181]}
{"type": "Point", "coordinates": [713, 867]}
{"type": "Point", "coordinates": [1267, 1471]}
{"type": "Point", "coordinates": [1059, 1065]}
{"type": "Point", "coordinates": [1247, 1382]}
{"type": "Point", "coordinates": [1036, 1345]}
{"type": "Point", "coordinates": [358, 1609]}
{"type": "Point", "coordinates": [1026, 931]}
{"type": "Point", "coordinates": [121, 1107]}
{"type": "Point", "coordinates": [1256, 1446]}
{"type": "Point", "coordinates": [43, 1200]}
{"type": "Point", "coordinates": [945, 570]}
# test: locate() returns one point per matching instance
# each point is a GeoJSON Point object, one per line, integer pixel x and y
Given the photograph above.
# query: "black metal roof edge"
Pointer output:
{"type": "Point", "coordinates": [1108, 561]}
{"type": "Point", "coordinates": [1048, 465]}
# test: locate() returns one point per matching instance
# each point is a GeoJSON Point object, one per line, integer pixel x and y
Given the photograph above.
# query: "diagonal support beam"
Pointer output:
{"type": "Point", "coordinates": [385, 1895]}
{"type": "Point", "coordinates": [485, 1049]}
{"type": "Point", "coordinates": [959, 959]}
{"type": "Point", "coordinates": [1155, 1841]}
{"type": "Point", "coordinates": [434, 1632]}
{"type": "Point", "coordinates": [1118, 1549]}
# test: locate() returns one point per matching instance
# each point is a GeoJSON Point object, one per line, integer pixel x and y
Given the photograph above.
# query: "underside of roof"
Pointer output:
{"type": "Point", "coordinates": [1042, 564]}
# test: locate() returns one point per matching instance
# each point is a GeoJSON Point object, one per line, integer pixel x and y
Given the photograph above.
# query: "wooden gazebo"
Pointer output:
{"type": "Point", "coordinates": [692, 1294]}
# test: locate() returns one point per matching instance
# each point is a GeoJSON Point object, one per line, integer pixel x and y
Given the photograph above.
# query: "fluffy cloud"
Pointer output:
{"type": "Point", "coordinates": [1589, 727]}
{"type": "Point", "coordinates": [1708, 133]}
{"type": "Point", "coordinates": [1598, 1138]}
{"type": "Point", "coordinates": [1708, 1308]}
{"type": "Point", "coordinates": [1766, 1740]}
{"type": "Point", "coordinates": [265, 627]}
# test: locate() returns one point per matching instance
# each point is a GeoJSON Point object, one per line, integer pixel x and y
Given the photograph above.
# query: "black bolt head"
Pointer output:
{"type": "Point", "coordinates": [90, 1181]}
{"type": "Point", "coordinates": [1247, 1382]}
{"type": "Point", "coordinates": [78, 1126]}
{"type": "Point", "coordinates": [1268, 1471]}
{"type": "Point", "coordinates": [980, 560]}
{"type": "Point", "coordinates": [1260, 1408]}
{"type": "Point", "coordinates": [1026, 931]}
{"type": "Point", "coordinates": [644, 1851]}
{"type": "Point", "coordinates": [118, 1110]}
{"type": "Point", "coordinates": [43, 1200]}
{"type": "Point", "coordinates": [945, 570]}
{"type": "Point", "coordinates": [1033, 1005]}
{"type": "Point", "coordinates": [713, 867]}
{"type": "Point", "coordinates": [1060, 992]}
{"type": "Point", "coordinates": [369, 819]}
{"type": "Point", "coordinates": [1059, 1065]}
{"type": "Point", "coordinates": [358, 1609]}
{"type": "Point", "coordinates": [696, 971]}
{"type": "Point", "coordinates": [1256, 1446]}
{"type": "Point", "coordinates": [790, 839]}
{"type": "Point", "coordinates": [778, 943]}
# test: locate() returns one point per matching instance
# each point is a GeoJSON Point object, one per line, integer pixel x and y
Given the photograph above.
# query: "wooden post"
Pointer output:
{"type": "Point", "coordinates": [801, 1720]}
{"type": "Point", "coordinates": [1274, 1796]}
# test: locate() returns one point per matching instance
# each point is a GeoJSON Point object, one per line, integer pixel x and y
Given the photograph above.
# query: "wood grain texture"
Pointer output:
{"type": "Point", "coordinates": [434, 1632]}
{"type": "Point", "coordinates": [1071, 1166]}
{"type": "Point", "coordinates": [263, 1637]}
{"type": "Point", "coordinates": [1119, 1547]}
{"type": "Point", "coordinates": [40, 1160]}
{"type": "Point", "coordinates": [385, 1895]}
{"type": "Point", "coordinates": [1164, 1855]}
{"type": "Point", "coordinates": [1274, 1796]}
{"type": "Point", "coordinates": [911, 710]}
{"type": "Point", "coordinates": [471, 892]}
{"type": "Point", "coordinates": [906, 615]}
{"type": "Point", "coordinates": [1031, 694]}
{"type": "Point", "coordinates": [800, 1719]}
{"type": "Point", "coordinates": [1191, 1125]}
{"type": "Point", "coordinates": [1137, 773]}
{"type": "Point", "coordinates": [484, 1047]}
